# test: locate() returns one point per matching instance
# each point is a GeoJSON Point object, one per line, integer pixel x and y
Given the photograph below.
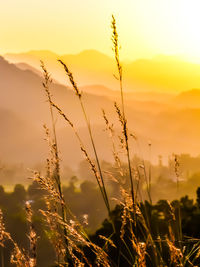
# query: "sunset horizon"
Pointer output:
{"type": "Point", "coordinates": [99, 133]}
{"type": "Point", "coordinates": [145, 28]}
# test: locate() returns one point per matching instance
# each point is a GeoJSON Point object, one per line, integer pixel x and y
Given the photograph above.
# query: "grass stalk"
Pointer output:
{"type": "Point", "coordinates": [78, 93]}
{"type": "Point", "coordinates": [46, 84]}
{"type": "Point", "coordinates": [176, 169]}
{"type": "Point", "coordinates": [92, 165]}
{"type": "Point", "coordinates": [120, 76]}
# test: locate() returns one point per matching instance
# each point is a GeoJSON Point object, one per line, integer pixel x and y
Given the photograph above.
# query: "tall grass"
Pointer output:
{"type": "Point", "coordinates": [79, 95]}
{"type": "Point", "coordinates": [122, 117]}
{"type": "Point", "coordinates": [54, 149]}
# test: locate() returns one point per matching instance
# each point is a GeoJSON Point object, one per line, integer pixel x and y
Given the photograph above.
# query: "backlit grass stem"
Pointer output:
{"type": "Point", "coordinates": [56, 174]}
{"type": "Point", "coordinates": [115, 42]}
{"type": "Point", "coordinates": [79, 94]}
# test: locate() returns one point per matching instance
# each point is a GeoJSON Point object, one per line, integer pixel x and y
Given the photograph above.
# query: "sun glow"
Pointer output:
{"type": "Point", "coordinates": [146, 28]}
{"type": "Point", "coordinates": [166, 27]}
{"type": "Point", "coordinates": [186, 29]}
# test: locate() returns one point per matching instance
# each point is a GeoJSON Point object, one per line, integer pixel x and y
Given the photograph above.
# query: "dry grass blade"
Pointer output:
{"type": "Point", "coordinates": [91, 163]}
{"type": "Point", "coordinates": [76, 238]}
{"type": "Point", "coordinates": [176, 255]}
{"type": "Point", "coordinates": [54, 147]}
{"type": "Point", "coordinates": [122, 116]}
{"type": "Point", "coordinates": [78, 93]}
{"type": "Point", "coordinates": [32, 236]}
{"type": "Point", "coordinates": [18, 256]}
{"type": "Point", "coordinates": [71, 78]}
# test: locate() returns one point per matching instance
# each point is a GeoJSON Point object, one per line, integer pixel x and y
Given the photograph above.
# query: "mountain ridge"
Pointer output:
{"type": "Point", "coordinates": [161, 74]}
{"type": "Point", "coordinates": [163, 122]}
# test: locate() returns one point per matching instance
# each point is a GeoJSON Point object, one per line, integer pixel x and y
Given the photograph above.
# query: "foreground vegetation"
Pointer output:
{"type": "Point", "coordinates": [135, 233]}
{"type": "Point", "coordinates": [160, 215]}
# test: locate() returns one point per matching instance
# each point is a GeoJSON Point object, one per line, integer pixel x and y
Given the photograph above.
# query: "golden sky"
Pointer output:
{"type": "Point", "coordinates": [146, 27]}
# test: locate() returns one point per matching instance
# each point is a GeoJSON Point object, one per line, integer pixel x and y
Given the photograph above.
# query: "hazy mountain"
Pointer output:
{"type": "Point", "coordinates": [164, 74]}
{"type": "Point", "coordinates": [189, 99]}
{"type": "Point", "coordinates": [33, 57]}
{"type": "Point", "coordinates": [88, 67]}
{"type": "Point", "coordinates": [138, 97]}
{"type": "Point", "coordinates": [161, 74]}
{"type": "Point", "coordinates": [101, 90]}
{"type": "Point", "coordinates": [18, 139]}
{"type": "Point", "coordinates": [25, 66]}
{"type": "Point", "coordinates": [150, 96]}
{"type": "Point", "coordinates": [23, 110]}
{"type": "Point", "coordinates": [25, 95]}
{"type": "Point", "coordinates": [22, 92]}
{"type": "Point", "coordinates": [23, 98]}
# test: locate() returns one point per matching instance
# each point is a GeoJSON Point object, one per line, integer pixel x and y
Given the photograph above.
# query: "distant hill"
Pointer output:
{"type": "Point", "coordinates": [91, 59]}
{"type": "Point", "coordinates": [160, 74]}
{"type": "Point", "coordinates": [98, 89]}
{"type": "Point", "coordinates": [171, 126]}
{"type": "Point", "coordinates": [88, 67]}
{"type": "Point", "coordinates": [22, 92]}
{"type": "Point", "coordinates": [25, 66]}
{"type": "Point", "coordinates": [24, 109]}
{"type": "Point", "coordinates": [18, 139]}
{"type": "Point", "coordinates": [189, 99]}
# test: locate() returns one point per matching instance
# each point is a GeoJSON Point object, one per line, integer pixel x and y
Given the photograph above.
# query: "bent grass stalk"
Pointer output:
{"type": "Point", "coordinates": [47, 82]}
{"type": "Point", "coordinates": [78, 93]}
{"type": "Point", "coordinates": [109, 128]}
{"type": "Point", "coordinates": [93, 167]}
